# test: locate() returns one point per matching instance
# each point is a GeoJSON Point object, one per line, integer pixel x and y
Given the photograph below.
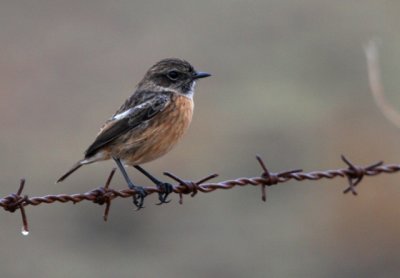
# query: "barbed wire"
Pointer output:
{"type": "Point", "coordinates": [104, 195]}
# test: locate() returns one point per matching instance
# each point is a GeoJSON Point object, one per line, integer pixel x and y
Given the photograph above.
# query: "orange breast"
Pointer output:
{"type": "Point", "coordinates": [162, 133]}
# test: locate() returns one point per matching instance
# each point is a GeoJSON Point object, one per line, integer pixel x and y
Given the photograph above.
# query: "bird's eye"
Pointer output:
{"type": "Point", "coordinates": [173, 75]}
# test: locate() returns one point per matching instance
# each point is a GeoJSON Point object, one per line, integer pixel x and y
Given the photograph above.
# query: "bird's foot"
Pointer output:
{"type": "Point", "coordinates": [138, 198]}
{"type": "Point", "coordinates": [165, 189]}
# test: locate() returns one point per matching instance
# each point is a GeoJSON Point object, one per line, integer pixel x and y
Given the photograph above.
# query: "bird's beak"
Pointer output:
{"type": "Point", "coordinates": [201, 74]}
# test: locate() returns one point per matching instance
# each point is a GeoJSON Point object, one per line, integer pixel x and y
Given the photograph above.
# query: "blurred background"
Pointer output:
{"type": "Point", "coordinates": [289, 83]}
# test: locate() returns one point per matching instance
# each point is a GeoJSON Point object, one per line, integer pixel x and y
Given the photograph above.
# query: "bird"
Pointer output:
{"type": "Point", "coordinates": [148, 124]}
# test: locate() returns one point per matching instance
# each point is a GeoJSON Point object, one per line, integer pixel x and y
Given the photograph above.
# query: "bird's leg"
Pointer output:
{"type": "Point", "coordinates": [138, 198]}
{"type": "Point", "coordinates": [165, 188]}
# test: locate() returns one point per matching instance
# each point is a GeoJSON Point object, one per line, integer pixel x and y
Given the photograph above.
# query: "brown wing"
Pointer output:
{"type": "Point", "coordinates": [133, 118]}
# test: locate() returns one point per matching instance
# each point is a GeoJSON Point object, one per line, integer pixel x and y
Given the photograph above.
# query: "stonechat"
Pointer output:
{"type": "Point", "coordinates": [148, 124]}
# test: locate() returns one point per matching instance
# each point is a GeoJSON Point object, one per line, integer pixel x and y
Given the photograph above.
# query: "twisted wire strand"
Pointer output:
{"type": "Point", "coordinates": [104, 195]}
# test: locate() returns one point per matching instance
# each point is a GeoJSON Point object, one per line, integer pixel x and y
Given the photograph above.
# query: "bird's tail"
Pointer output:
{"type": "Point", "coordinates": [73, 169]}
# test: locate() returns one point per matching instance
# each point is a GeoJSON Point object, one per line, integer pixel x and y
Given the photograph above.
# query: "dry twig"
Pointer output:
{"type": "Point", "coordinates": [376, 85]}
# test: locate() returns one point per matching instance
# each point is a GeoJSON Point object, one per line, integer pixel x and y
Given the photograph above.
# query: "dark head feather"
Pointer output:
{"type": "Point", "coordinates": [170, 74]}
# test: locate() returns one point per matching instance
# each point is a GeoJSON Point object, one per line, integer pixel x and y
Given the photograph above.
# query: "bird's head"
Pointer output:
{"type": "Point", "coordinates": [172, 75]}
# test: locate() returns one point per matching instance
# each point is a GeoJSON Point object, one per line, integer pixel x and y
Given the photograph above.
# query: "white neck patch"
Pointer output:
{"type": "Point", "coordinates": [190, 93]}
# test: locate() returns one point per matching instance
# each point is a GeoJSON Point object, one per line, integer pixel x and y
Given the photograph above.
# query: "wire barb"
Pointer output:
{"type": "Point", "coordinates": [14, 202]}
{"type": "Point", "coordinates": [186, 186]}
{"type": "Point", "coordinates": [105, 194]}
{"type": "Point", "coordinates": [355, 174]}
{"type": "Point", "coordinates": [272, 178]}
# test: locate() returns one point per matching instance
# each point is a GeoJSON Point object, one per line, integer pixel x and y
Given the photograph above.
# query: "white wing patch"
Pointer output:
{"type": "Point", "coordinates": [126, 113]}
{"type": "Point", "coordinates": [122, 114]}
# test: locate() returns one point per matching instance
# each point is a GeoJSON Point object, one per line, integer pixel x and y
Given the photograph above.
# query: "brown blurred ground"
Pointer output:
{"type": "Point", "coordinates": [289, 82]}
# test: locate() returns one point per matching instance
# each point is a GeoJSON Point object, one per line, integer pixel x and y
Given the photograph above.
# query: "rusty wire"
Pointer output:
{"type": "Point", "coordinates": [104, 195]}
